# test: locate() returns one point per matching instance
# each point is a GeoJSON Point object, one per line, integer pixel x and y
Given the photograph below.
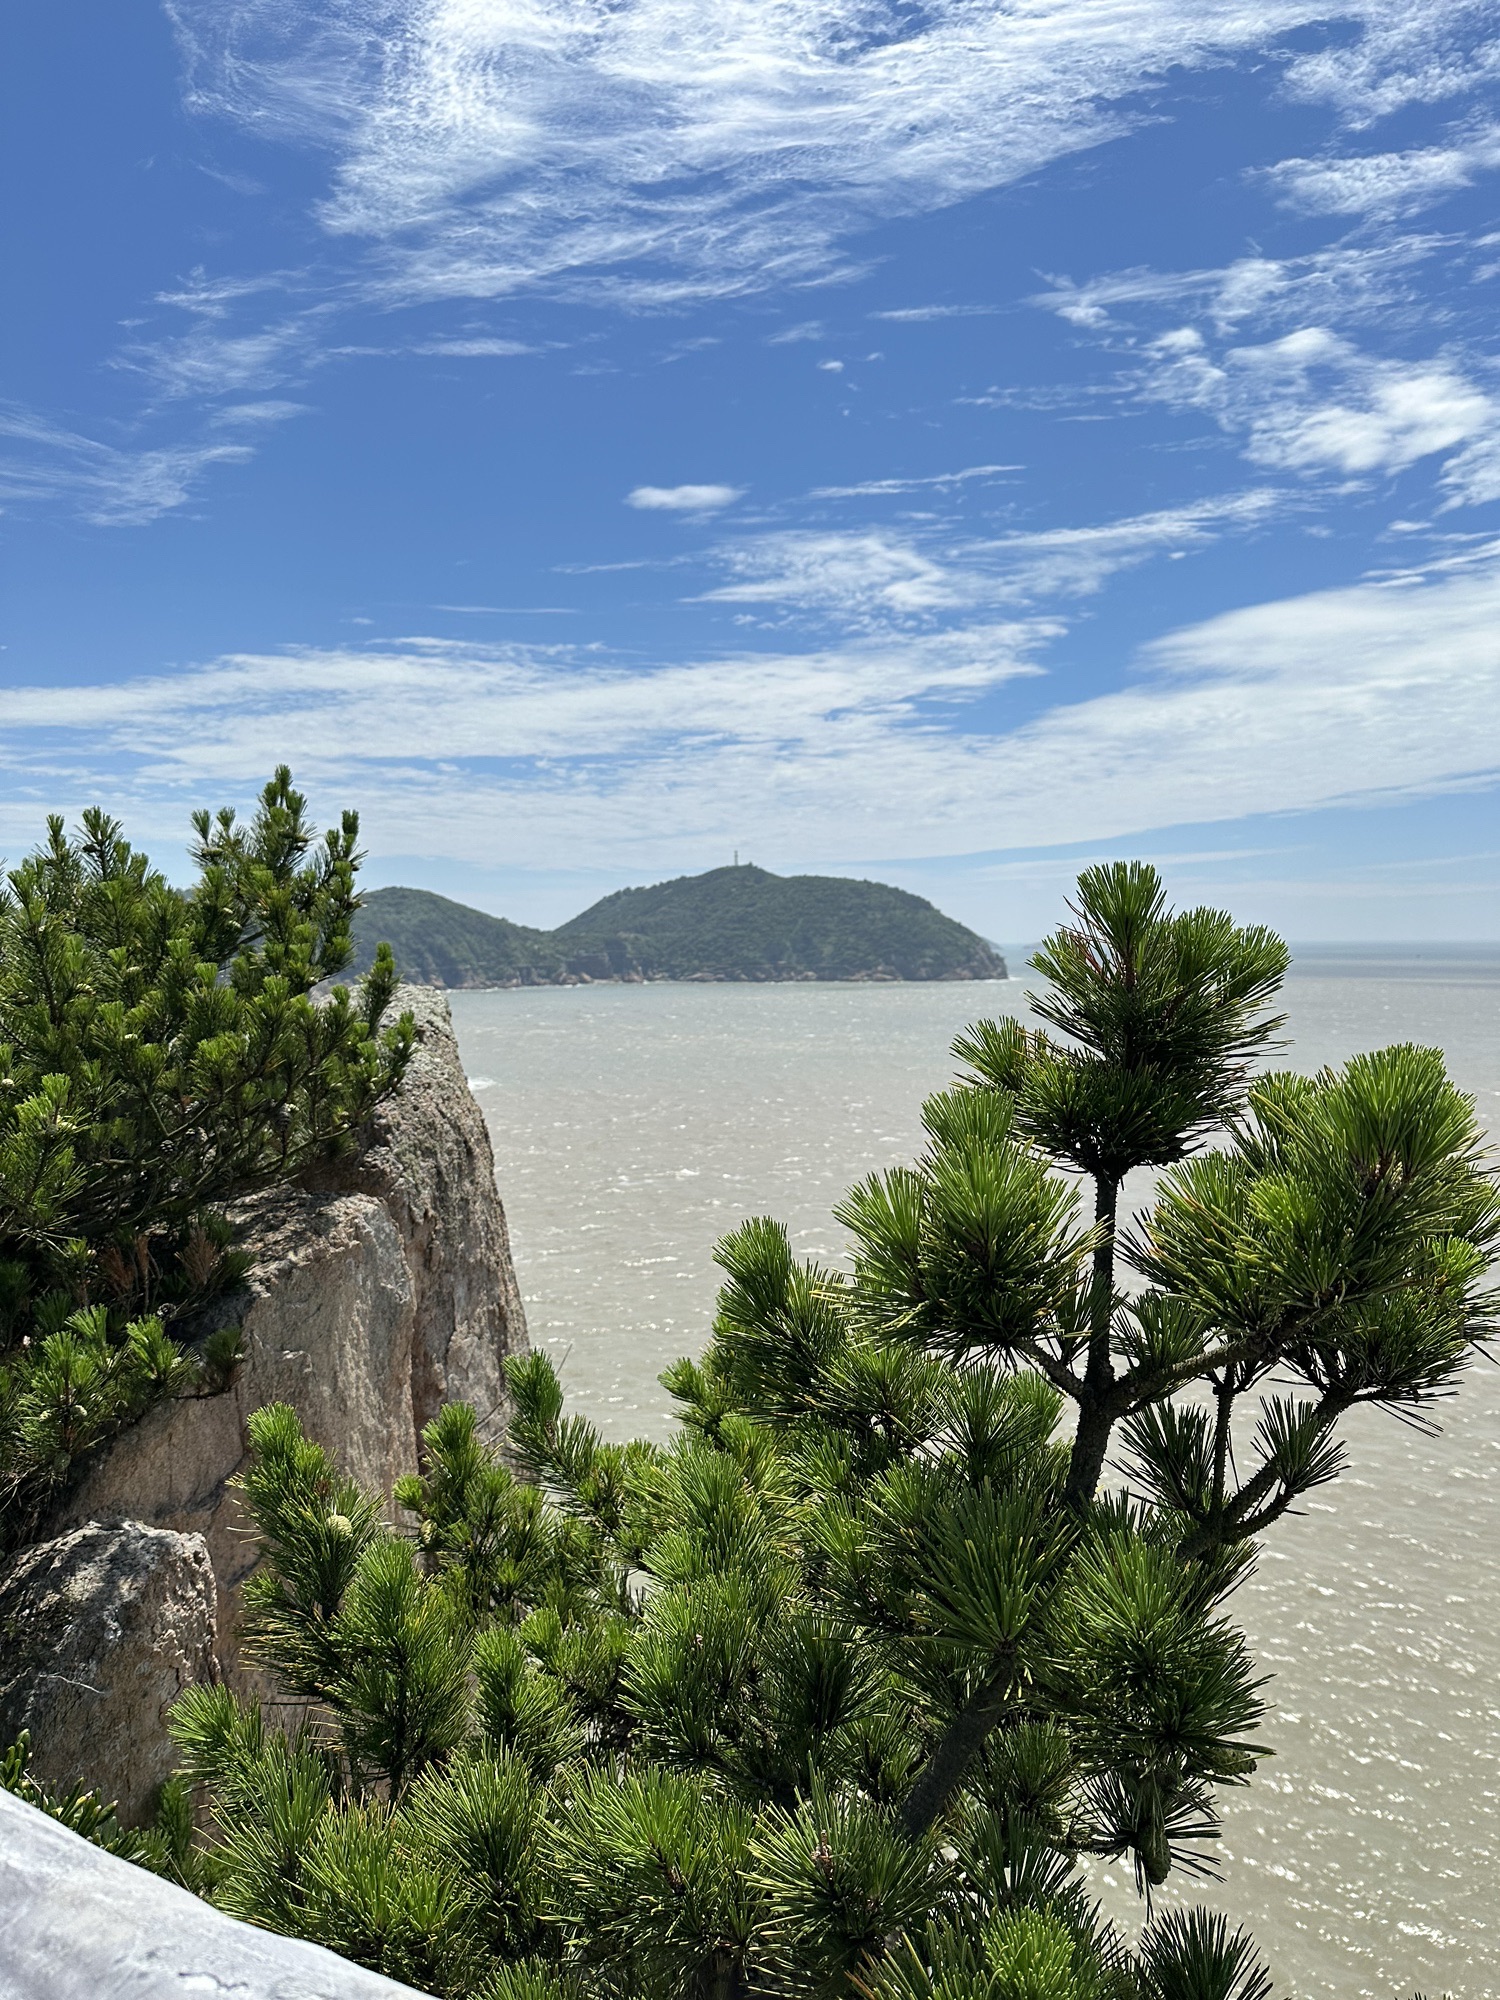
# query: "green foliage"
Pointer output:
{"type": "Point", "coordinates": [167, 1848]}
{"type": "Point", "coordinates": [745, 923]}
{"type": "Point", "coordinates": [655, 1732]}
{"type": "Point", "coordinates": [161, 1054]}
{"type": "Point", "coordinates": [1341, 1236]}
{"type": "Point", "coordinates": [444, 943]}
{"type": "Point", "coordinates": [840, 1691]}
{"type": "Point", "coordinates": [731, 923]}
{"type": "Point", "coordinates": [1162, 1015]}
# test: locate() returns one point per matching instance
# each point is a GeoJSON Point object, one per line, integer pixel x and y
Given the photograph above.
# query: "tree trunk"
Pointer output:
{"type": "Point", "coordinates": [1096, 1419]}
{"type": "Point", "coordinates": [726, 1980]}
{"type": "Point", "coordinates": [944, 1771]}
{"type": "Point", "coordinates": [1090, 1448]}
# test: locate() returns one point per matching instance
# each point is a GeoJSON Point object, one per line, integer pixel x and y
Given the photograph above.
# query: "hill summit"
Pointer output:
{"type": "Point", "coordinates": [739, 923]}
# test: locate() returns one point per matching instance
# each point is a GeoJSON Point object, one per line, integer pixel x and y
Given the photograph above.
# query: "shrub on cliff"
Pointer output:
{"type": "Point", "coordinates": [838, 1692]}
{"type": "Point", "coordinates": [160, 1055]}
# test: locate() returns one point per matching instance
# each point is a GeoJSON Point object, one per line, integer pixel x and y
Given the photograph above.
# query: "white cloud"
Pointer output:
{"type": "Point", "coordinates": [647, 152]}
{"type": "Point", "coordinates": [104, 484]}
{"type": "Point", "coordinates": [683, 499]}
{"type": "Point", "coordinates": [1311, 402]}
{"type": "Point", "coordinates": [1410, 52]}
{"type": "Point", "coordinates": [1075, 562]}
{"type": "Point", "coordinates": [270, 410]}
{"type": "Point", "coordinates": [216, 355]}
{"type": "Point", "coordinates": [914, 315]}
{"type": "Point", "coordinates": [476, 349]}
{"type": "Point", "coordinates": [860, 576]}
{"type": "Point", "coordinates": [1384, 184]}
{"type": "Point", "coordinates": [1348, 281]}
{"type": "Point", "coordinates": [1342, 696]}
{"type": "Point", "coordinates": [1472, 476]}
{"type": "Point", "coordinates": [943, 480]}
{"type": "Point", "coordinates": [866, 577]}
{"type": "Point", "coordinates": [641, 151]}
{"type": "Point", "coordinates": [394, 719]}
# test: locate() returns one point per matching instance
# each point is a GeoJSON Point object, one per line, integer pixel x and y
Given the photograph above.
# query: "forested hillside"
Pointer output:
{"type": "Point", "coordinates": [442, 943]}
{"type": "Point", "coordinates": [729, 924]}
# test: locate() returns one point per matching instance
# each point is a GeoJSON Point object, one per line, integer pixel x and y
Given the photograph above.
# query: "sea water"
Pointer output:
{"type": "Point", "coordinates": [634, 1125]}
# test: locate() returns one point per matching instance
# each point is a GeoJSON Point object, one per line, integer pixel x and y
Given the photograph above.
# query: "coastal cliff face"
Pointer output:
{"type": "Point", "coordinates": [430, 1166]}
{"type": "Point", "coordinates": [378, 1294]}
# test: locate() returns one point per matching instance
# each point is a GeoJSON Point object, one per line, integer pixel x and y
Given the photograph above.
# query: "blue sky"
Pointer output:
{"type": "Point", "coordinates": [939, 440]}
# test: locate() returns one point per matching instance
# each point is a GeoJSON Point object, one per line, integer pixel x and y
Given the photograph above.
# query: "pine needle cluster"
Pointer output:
{"type": "Point", "coordinates": [161, 1054]}
{"type": "Point", "coordinates": [840, 1692]}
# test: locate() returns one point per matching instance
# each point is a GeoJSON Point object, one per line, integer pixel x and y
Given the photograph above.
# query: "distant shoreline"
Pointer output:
{"type": "Point", "coordinates": [571, 980]}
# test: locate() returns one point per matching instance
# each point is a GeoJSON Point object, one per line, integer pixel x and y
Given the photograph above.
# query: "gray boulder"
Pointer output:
{"type": "Point", "coordinates": [78, 1924]}
{"type": "Point", "coordinates": [100, 1631]}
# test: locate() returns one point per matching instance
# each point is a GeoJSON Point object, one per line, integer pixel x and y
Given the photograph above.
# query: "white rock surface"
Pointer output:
{"type": "Point", "coordinates": [78, 1924]}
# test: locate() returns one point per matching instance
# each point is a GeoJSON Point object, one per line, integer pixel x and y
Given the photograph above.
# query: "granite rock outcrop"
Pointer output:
{"type": "Point", "coordinates": [380, 1290]}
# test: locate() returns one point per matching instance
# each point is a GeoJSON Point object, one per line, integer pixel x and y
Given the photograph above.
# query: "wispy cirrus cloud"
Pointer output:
{"type": "Point", "coordinates": [644, 156]}
{"type": "Point", "coordinates": [573, 759]}
{"type": "Point", "coordinates": [255, 416]}
{"type": "Point", "coordinates": [1344, 283]}
{"type": "Point", "coordinates": [917, 315]}
{"type": "Point", "coordinates": [866, 577]}
{"type": "Point", "coordinates": [389, 721]}
{"type": "Point", "coordinates": [228, 347]}
{"type": "Point", "coordinates": [113, 486]}
{"type": "Point", "coordinates": [1385, 185]}
{"type": "Point", "coordinates": [639, 152]}
{"type": "Point", "coordinates": [480, 347]}
{"type": "Point", "coordinates": [862, 577]}
{"type": "Point", "coordinates": [638, 156]}
{"type": "Point", "coordinates": [1076, 562]}
{"type": "Point", "coordinates": [924, 483]}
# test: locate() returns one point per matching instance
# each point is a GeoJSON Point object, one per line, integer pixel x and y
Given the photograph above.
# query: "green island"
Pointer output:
{"type": "Point", "coordinates": [738, 923]}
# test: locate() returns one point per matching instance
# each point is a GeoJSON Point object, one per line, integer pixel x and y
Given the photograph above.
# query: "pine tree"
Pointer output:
{"type": "Point", "coordinates": [838, 1691]}
{"type": "Point", "coordinates": [161, 1054]}
{"type": "Point", "coordinates": [1338, 1241]}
